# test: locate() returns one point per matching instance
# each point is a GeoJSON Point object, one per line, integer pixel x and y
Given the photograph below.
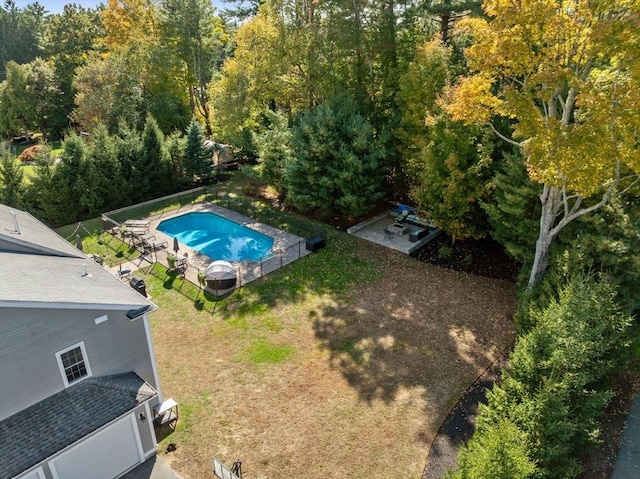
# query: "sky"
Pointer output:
{"type": "Point", "coordinates": [56, 6]}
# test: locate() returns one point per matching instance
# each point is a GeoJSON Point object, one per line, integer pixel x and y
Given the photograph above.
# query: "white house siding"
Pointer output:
{"type": "Point", "coordinates": [30, 338]}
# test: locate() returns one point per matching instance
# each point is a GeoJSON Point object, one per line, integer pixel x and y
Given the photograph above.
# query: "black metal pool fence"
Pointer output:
{"type": "Point", "coordinates": [313, 237]}
{"type": "Point", "coordinates": [186, 199]}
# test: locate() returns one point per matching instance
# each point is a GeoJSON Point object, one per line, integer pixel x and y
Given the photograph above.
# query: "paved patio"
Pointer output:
{"type": "Point", "coordinates": [382, 230]}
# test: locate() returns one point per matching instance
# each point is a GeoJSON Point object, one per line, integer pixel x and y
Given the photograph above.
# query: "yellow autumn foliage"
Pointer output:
{"type": "Point", "coordinates": [568, 73]}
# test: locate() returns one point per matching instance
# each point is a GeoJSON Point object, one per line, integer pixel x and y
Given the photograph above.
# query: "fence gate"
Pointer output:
{"type": "Point", "coordinates": [221, 471]}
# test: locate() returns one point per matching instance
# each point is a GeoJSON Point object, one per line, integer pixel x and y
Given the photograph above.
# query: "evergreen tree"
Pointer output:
{"type": "Point", "coordinates": [176, 145]}
{"type": "Point", "coordinates": [111, 187]}
{"type": "Point", "coordinates": [12, 187]}
{"type": "Point", "coordinates": [451, 178]}
{"type": "Point", "coordinates": [71, 194]}
{"type": "Point", "coordinates": [609, 242]}
{"type": "Point", "coordinates": [554, 391]}
{"type": "Point", "coordinates": [154, 162]}
{"type": "Point", "coordinates": [497, 451]}
{"type": "Point", "coordinates": [274, 150]}
{"type": "Point", "coordinates": [337, 168]}
{"type": "Point", "coordinates": [128, 148]}
{"type": "Point", "coordinates": [198, 158]}
{"type": "Point", "coordinates": [20, 32]}
{"type": "Point", "coordinates": [514, 213]}
{"type": "Point", "coordinates": [39, 191]}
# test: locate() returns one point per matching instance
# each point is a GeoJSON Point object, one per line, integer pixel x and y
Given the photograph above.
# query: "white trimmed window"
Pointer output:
{"type": "Point", "coordinates": [73, 363]}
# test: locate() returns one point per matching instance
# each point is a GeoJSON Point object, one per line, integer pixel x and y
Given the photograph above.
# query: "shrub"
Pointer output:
{"type": "Point", "coordinates": [554, 391]}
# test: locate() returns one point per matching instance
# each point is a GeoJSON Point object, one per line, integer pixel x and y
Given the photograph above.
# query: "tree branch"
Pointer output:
{"type": "Point", "coordinates": [567, 107]}
{"type": "Point", "coordinates": [501, 136]}
{"type": "Point", "coordinates": [633, 183]}
{"type": "Point", "coordinates": [576, 214]}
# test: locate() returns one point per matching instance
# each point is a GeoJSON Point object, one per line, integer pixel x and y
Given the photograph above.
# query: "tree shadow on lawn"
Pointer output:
{"type": "Point", "coordinates": [345, 261]}
{"type": "Point", "coordinates": [427, 330]}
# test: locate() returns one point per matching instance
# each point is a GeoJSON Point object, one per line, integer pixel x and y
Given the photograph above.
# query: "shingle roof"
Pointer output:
{"type": "Point", "coordinates": [33, 236]}
{"type": "Point", "coordinates": [39, 266]}
{"type": "Point", "coordinates": [36, 433]}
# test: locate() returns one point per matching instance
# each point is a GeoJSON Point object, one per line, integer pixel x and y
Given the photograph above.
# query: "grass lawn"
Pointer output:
{"type": "Point", "coordinates": [344, 363]}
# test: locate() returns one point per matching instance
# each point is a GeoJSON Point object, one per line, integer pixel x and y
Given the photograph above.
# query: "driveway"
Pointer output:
{"type": "Point", "coordinates": [628, 461]}
{"type": "Point", "coordinates": [152, 468]}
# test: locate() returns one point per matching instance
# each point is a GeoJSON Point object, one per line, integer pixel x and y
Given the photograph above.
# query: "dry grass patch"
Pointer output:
{"type": "Point", "coordinates": [343, 364]}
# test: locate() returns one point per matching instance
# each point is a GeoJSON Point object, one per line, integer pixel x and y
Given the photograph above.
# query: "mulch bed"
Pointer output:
{"type": "Point", "coordinates": [458, 428]}
{"type": "Point", "coordinates": [483, 257]}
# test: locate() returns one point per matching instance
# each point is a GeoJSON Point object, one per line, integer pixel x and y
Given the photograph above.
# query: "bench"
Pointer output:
{"type": "Point", "coordinates": [167, 413]}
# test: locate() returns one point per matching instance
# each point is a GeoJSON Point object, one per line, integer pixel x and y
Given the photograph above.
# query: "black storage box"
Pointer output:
{"type": "Point", "coordinates": [315, 243]}
{"type": "Point", "coordinates": [418, 234]}
{"type": "Point", "coordinates": [139, 285]}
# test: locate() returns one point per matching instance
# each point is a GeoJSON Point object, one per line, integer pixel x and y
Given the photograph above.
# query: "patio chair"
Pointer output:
{"type": "Point", "coordinates": [402, 216]}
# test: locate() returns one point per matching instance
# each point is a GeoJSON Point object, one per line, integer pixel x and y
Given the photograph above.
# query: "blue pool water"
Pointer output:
{"type": "Point", "coordinates": [217, 237]}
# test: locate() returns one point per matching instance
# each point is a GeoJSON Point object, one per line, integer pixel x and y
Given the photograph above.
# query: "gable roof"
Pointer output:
{"type": "Point", "coordinates": [41, 269]}
{"type": "Point", "coordinates": [38, 432]}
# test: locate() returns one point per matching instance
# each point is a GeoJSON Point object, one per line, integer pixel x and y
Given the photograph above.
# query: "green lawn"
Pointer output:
{"type": "Point", "coordinates": [346, 360]}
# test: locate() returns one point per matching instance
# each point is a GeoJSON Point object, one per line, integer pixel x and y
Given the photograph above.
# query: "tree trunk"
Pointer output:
{"type": "Point", "coordinates": [445, 19]}
{"type": "Point", "coordinates": [551, 199]}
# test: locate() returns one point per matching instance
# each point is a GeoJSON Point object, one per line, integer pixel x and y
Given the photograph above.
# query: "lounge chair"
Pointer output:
{"type": "Point", "coordinates": [137, 224]}
{"type": "Point", "coordinates": [402, 216]}
{"type": "Point", "coordinates": [151, 245]}
{"type": "Point", "coordinates": [136, 230]}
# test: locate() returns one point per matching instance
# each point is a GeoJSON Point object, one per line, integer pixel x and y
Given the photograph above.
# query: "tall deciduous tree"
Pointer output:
{"type": "Point", "coordinates": [20, 33]}
{"type": "Point", "coordinates": [127, 22]}
{"type": "Point", "coordinates": [69, 41]}
{"type": "Point", "coordinates": [27, 98]}
{"type": "Point", "coordinates": [108, 90]}
{"type": "Point", "coordinates": [16, 115]}
{"type": "Point", "coordinates": [449, 163]}
{"type": "Point", "coordinates": [249, 81]}
{"type": "Point", "coordinates": [196, 36]}
{"type": "Point", "coordinates": [568, 73]}
{"type": "Point", "coordinates": [42, 92]}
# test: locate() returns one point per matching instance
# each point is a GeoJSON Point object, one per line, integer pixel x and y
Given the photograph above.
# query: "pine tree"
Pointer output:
{"type": "Point", "coordinates": [497, 450]}
{"type": "Point", "coordinates": [514, 213]}
{"type": "Point", "coordinates": [154, 161]}
{"type": "Point", "coordinates": [12, 187]}
{"type": "Point", "coordinates": [274, 150]}
{"type": "Point", "coordinates": [111, 187]}
{"type": "Point", "coordinates": [198, 158]}
{"type": "Point", "coordinates": [337, 168]}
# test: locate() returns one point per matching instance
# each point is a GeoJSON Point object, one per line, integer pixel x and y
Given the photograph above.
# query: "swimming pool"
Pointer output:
{"type": "Point", "coordinates": [217, 237]}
